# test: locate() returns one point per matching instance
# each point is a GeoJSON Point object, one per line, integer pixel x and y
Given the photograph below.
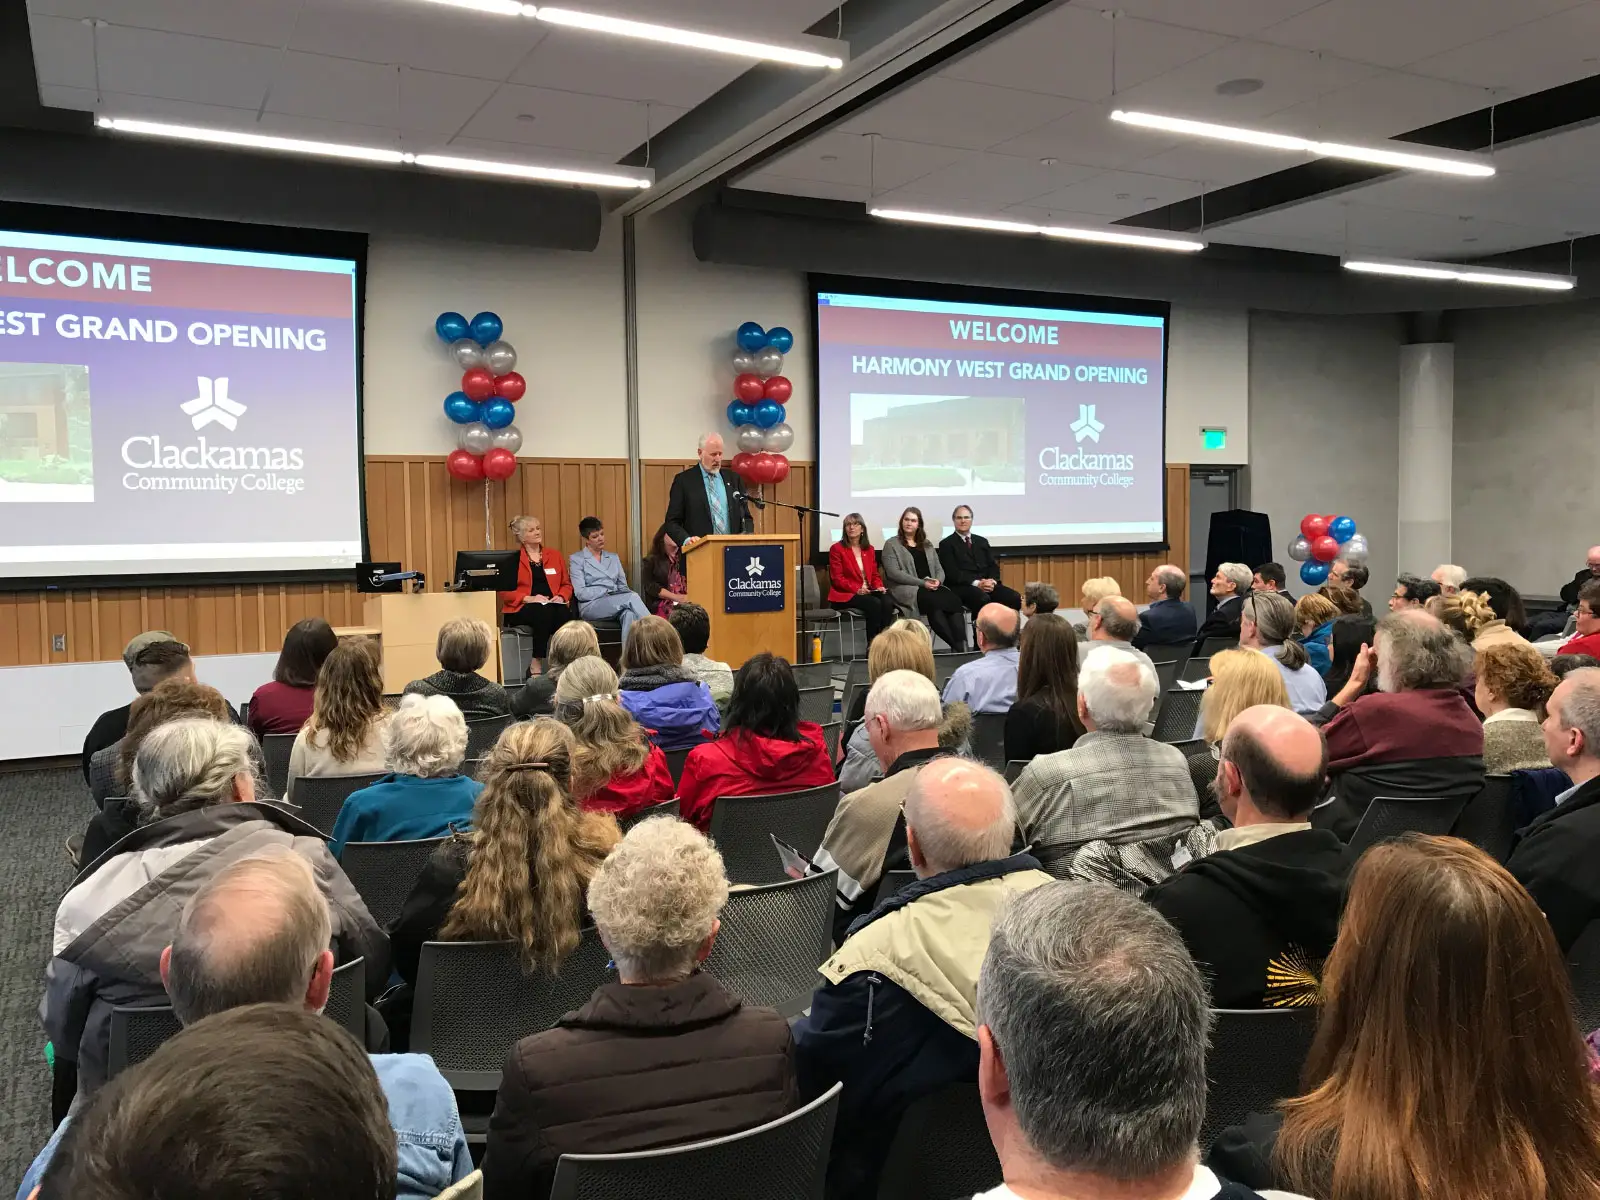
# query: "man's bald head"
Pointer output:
{"type": "Point", "coordinates": [958, 812]}
{"type": "Point", "coordinates": [1273, 765]}
{"type": "Point", "coordinates": [997, 626]}
{"type": "Point", "coordinates": [1119, 619]}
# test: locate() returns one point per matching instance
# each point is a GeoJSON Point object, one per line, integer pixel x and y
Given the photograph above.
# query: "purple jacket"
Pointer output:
{"type": "Point", "coordinates": [674, 708]}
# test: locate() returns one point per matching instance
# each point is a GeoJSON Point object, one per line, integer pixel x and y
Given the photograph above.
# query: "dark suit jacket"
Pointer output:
{"type": "Point", "coordinates": [1555, 861]}
{"type": "Point", "coordinates": [1165, 623]}
{"type": "Point", "coordinates": [963, 563]}
{"type": "Point", "coordinates": [1223, 622]}
{"type": "Point", "coordinates": [689, 513]}
{"type": "Point", "coordinates": [1569, 591]}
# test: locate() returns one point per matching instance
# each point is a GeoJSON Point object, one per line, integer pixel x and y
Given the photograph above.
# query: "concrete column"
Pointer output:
{"type": "Point", "coordinates": [1427, 415]}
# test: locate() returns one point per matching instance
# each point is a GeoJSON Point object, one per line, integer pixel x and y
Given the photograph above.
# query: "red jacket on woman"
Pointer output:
{"type": "Point", "coordinates": [555, 576]}
{"type": "Point", "coordinates": [624, 795]}
{"type": "Point", "coordinates": [844, 577]}
{"type": "Point", "coordinates": [746, 764]}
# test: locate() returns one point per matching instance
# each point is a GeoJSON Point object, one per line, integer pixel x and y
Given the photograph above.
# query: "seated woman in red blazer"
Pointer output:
{"type": "Point", "coordinates": [853, 579]}
{"type": "Point", "coordinates": [542, 602]}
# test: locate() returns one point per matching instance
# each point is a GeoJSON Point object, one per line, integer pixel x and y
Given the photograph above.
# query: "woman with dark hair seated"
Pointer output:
{"type": "Point", "coordinates": [854, 581]}
{"type": "Point", "coordinates": [284, 704]}
{"type": "Point", "coordinates": [662, 582]}
{"type": "Point", "coordinates": [1350, 633]}
{"type": "Point", "coordinates": [1045, 717]}
{"type": "Point", "coordinates": [764, 747]}
{"type": "Point", "coordinates": [1507, 604]}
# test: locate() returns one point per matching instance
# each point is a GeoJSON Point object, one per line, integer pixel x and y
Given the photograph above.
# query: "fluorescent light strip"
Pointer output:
{"type": "Point", "coordinates": [1114, 237]}
{"type": "Point", "coordinates": [1452, 272]}
{"type": "Point", "coordinates": [1383, 156]}
{"type": "Point", "coordinates": [441, 162]}
{"type": "Point", "coordinates": [499, 8]}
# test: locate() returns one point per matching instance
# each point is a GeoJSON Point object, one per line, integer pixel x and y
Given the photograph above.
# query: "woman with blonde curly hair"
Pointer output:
{"type": "Point", "coordinates": [344, 735]}
{"type": "Point", "coordinates": [615, 767]}
{"type": "Point", "coordinates": [663, 1056]}
{"type": "Point", "coordinates": [1465, 613]}
{"type": "Point", "coordinates": [1514, 683]}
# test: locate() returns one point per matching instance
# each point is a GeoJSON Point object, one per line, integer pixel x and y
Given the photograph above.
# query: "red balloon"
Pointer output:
{"type": "Point", "coordinates": [512, 386]}
{"type": "Point", "coordinates": [1324, 548]}
{"type": "Point", "coordinates": [463, 464]}
{"type": "Point", "coordinates": [778, 388]}
{"type": "Point", "coordinates": [747, 388]}
{"type": "Point", "coordinates": [780, 468]}
{"type": "Point", "coordinates": [478, 384]}
{"type": "Point", "coordinates": [499, 464]}
{"type": "Point", "coordinates": [741, 463]}
{"type": "Point", "coordinates": [1313, 526]}
{"type": "Point", "coordinates": [763, 467]}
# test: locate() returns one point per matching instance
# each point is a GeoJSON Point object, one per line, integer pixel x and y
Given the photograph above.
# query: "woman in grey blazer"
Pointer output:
{"type": "Point", "coordinates": [915, 578]}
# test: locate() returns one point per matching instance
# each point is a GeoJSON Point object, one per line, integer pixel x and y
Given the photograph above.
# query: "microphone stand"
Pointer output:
{"type": "Point", "coordinates": [800, 511]}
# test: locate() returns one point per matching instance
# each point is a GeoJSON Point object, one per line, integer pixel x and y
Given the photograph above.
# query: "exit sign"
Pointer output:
{"type": "Point", "coordinates": [1214, 439]}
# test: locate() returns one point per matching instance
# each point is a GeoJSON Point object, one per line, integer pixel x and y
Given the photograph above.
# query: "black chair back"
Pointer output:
{"type": "Point", "coordinates": [675, 761]}
{"type": "Point", "coordinates": [743, 828]}
{"type": "Point", "coordinates": [830, 739]}
{"type": "Point", "coordinates": [667, 808]}
{"type": "Point", "coordinates": [856, 686]}
{"type": "Point", "coordinates": [1583, 968]}
{"type": "Point", "coordinates": [1489, 821]}
{"type": "Point", "coordinates": [320, 797]}
{"type": "Point", "coordinates": [810, 675]}
{"type": "Point", "coordinates": [1195, 670]}
{"type": "Point", "coordinates": [816, 704]}
{"type": "Point", "coordinates": [1167, 674]}
{"type": "Point", "coordinates": [941, 1150]}
{"type": "Point", "coordinates": [1014, 768]}
{"type": "Point", "coordinates": [1255, 1061]}
{"type": "Point", "coordinates": [1390, 816]}
{"type": "Point", "coordinates": [891, 883]}
{"type": "Point", "coordinates": [988, 739]}
{"type": "Point", "coordinates": [786, 1159]}
{"type": "Point", "coordinates": [483, 733]}
{"type": "Point", "coordinates": [1178, 716]}
{"type": "Point", "coordinates": [275, 751]}
{"type": "Point", "coordinates": [773, 939]}
{"type": "Point", "coordinates": [1216, 645]}
{"type": "Point", "coordinates": [385, 872]}
{"type": "Point", "coordinates": [945, 664]}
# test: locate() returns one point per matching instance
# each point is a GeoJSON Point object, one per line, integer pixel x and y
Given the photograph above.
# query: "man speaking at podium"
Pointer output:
{"type": "Point", "coordinates": [703, 498]}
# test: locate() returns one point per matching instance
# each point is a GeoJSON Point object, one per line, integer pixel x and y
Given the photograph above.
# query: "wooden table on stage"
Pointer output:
{"type": "Point", "coordinates": [409, 623]}
{"type": "Point", "coordinates": [736, 636]}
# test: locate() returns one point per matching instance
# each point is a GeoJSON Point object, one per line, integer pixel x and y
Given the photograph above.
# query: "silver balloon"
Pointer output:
{"type": "Point", "coordinates": [468, 353]}
{"type": "Point", "coordinates": [750, 438]}
{"type": "Point", "coordinates": [744, 363]}
{"type": "Point", "coordinates": [1300, 549]}
{"type": "Point", "coordinates": [500, 357]}
{"type": "Point", "coordinates": [769, 363]}
{"type": "Point", "coordinates": [509, 438]}
{"type": "Point", "coordinates": [476, 438]}
{"type": "Point", "coordinates": [1355, 550]}
{"type": "Point", "coordinates": [778, 438]}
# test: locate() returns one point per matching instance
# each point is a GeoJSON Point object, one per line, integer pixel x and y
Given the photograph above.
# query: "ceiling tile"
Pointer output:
{"type": "Point", "coordinates": [262, 22]}
{"type": "Point", "coordinates": [1237, 18]}
{"type": "Point", "coordinates": [562, 120]}
{"type": "Point", "coordinates": [1320, 226]}
{"type": "Point", "coordinates": [982, 182]}
{"type": "Point", "coordinates": [521, 152]}
{"type": "Point", "coordinates": [1117, 194]}
{"type": "Point", "coordinates": [762, 181]}
{"type": "Point", "coordinates": [853, 160]}
{"type": "Point", "coordinates": [1288, 77]}
{"type": "Point", "coordinates": [312, 85]}
{"type": "Point", "coordinates": [1382, 106]}
{"type": "Point", "coordinates": [950, 112]}
{"type": "Point", "coordinates": [1392, 35]}
{"type": "Point", "coordinates": [426, 36]}
{"type": "Point", "coordinates": [63, 51]}
{"type": "Point", "coordinates": [1530, 58]}
{"type": "Point", "coordinates": [572, 60]}
{"type": "Point", "coordinates": [177, 67]}
{"type": "Point", "coordinates": [1088, 137]}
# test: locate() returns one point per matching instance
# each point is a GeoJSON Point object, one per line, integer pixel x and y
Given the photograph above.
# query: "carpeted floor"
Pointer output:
{"type": "Point", "coordinates": [41, 809]}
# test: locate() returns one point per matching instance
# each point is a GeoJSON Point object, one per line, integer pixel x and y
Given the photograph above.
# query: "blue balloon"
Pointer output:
{"type": "Point", "coordinates": [780, 339]}
{"type": "Point", "coordinates": [1314, 572]}
{"type": "Point", "coordinates": [462, 408]}
{"type": "Point", "coordinates": [498, 412]}
{"type": "Point", "coordinates": [767, 413]}
{"type": "Point", "coordinates": [751, 337]}
{"type": "Point", "coordinates": [1342, 529]}
{"type": "Point", "coordinates": [740, 413]}
{"type": "Point", "coordinates": [451, 326]}
{"type": "Point", "coordinates": [486, 327]}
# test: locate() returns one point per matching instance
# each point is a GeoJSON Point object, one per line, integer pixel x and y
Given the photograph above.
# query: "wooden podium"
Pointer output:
{"type": "Point", "coordinates": [735, 636]}
{"type": "Point", "coordinates": [408, 625]}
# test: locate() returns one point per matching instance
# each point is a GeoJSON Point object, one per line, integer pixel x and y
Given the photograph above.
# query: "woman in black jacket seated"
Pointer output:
{"type": "Point", "coordinates": [1447, 1062]}
{"type": "Point", "coordinates": [464, 646]}
{"type": "Point", "coordinates": [1044, 718]}
{"type": "Point", "coordinates": [537, 697]}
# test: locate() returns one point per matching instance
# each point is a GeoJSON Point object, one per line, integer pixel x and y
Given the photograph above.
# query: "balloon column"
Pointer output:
{"type": "Point", "coordinates": [760, 434]}
{"type": "Point", "coordinates": [1322, 540]}
{"type": "Point", "coordinates": [483, 409]}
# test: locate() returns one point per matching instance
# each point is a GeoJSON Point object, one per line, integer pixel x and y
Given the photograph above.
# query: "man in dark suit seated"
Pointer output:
{"type": "Point", "coordinates": [970, 567]}
{"type": "Point", "coordinates": [1228, 585]}
{"type": "Point", "coordinates": [702, 500]}
{"type": "Point", "coordinates": [1168, 621]}
{"type": "Point", "coordinates": [1270, 577]}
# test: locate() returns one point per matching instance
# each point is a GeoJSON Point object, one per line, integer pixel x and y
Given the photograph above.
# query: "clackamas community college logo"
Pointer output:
{"type": "Point", "coordinates": [203, 466]}
{"type": "Point", "coordinates": [212, 404]}
{"type": "Point", "coordinates": [1086, 426]}
{"type": "Point", "coordinates": [752, 578]}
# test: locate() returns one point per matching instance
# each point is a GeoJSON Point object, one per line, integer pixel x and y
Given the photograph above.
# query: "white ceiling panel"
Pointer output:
{"type": "Point", "coordinates": [1381, 106]}
{"type": "Point", "coordinates": [951, 112]}
{"type": "Point", "coordinates": [575, 61]}
{"type": "Point", "coordinates": [989, 181]}
{"type": "Point", "coordinates": [1319, 227]}
{"type": "Point", "coordinates": [854, 161]}
{"type": "Point", "coordinates": [1379, 31]}
{"type": "Point", "coordinates": [425, 36]}
{"type": "Point", "coordinates": [1289, 77]}
{"type": "Point", "coordinates": [1091, 138]}
{"type": "Point", "coordinates": [1236, 18]}
{"type": "Point", "coordinates": [1116, 194]}
{"type": "Point", "coordinates": [1530, 58]}
{"type": "Point", "coordinates": [560, 121]}
{"type": "Point", "coordinates": [63, 51]}
{"type": "Point", "coordinates": [817, 189]}
{"type": "Point", "coordinates": [263, 22]}
{"type": "Point", "coordinates": [175, 66]}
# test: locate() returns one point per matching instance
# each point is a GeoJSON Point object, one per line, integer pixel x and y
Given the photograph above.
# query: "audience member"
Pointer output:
{"type": "Point", "coordinates": [1588, 622]}
{"type": "Point", "coordinates": [195, 785]}
{"type": "Point", "coordinates": [895, 1018]}
{"type": "Point", "coordinates": [1554, 859]}
{"type": "Point", "coordinates": [1412, 592]}
{"type": "Point", "coordinates": [344, 735]}
{"type": "Point", "coordinates": [150, 658]}
{"type": "Point", "coordinates": [1260, 914]}
{"type": "Point", "coordinates": [970, 568]}
{"type": "Point", "coordinates": [1115, 622]}
{"type": "Point", "coordinates": [572, 641]}
{"type": "Point", "coordinates": [674, 708]}
{"type": "Point", "coordinates": [915, 577]}
{"type": "Point", "coordinates": [765, 747]}
{"type": "Point", "coordinates": [1589, 574]}
{"type": "Point", "coordinates": [904, 646]}
{"type": "Point", "coordinates": [1095, 590]}
{"type": "Point", "coordinates": [424, 795]}
{"type": "Point", "coordinates": [989, 684]}
{"type": "Point", "coordinates": [1228, 586]}
{"type": "Point", "coordinates": [1353, 576]}
{"type": "Point", "coordinates": [600, 583]}
{"type": "Point", "coordinates": [1169, 621]}
{"type": "Point", "coordinates": [1503, 598]}
{"type": "Point", "coordinates": [663, 584]}
{"type": "Point", "coordinates": [693, 624]}
{"type": "Point", "coordinates": [1351, 635]}
{"type": "Point", "coordinates": [1446, 1061]}
{"type": "Point", "coordinates": [1513, 687]}
{"type": "Point", "coordinates": [542, 601]}
{"type": "Point", "coordinates": [1092, 1038]}
{"type": "Point", "coordinates": [1464, 614]}
{"type": "Point", "coordinates": [866, 835]}
{"type": "Point", "coordinates": [663, 1056]}
{"type": "Point", "coordinates": [1240, 679]}
{"type": "Point", "coordinates": [1114, 784]}
{"type": "Point", "coordinates": [1414, 736]}
{"type": "Point", "coordinates": [283, 704]}
{"type": "Point", "coordinates": [1039, 598]}
{"type": "Point", "coordinates": [1266, 623]}
{"type": "Point", "coordinates": [1564, 664]}
{"type": "Point", "coordinates": [1344, 598]}
{"type": "Point", "coordinates": [462, 650]}
{"type": "Point", "coordinates": [1271, 577]}
{"type": "Point", "coordinates": [1449, 577]}
{"type": "Point", "coordinates": [1044, 718]}
{"type": "Point", "coordinates": [1314, 617]}
{"type": "Point", "coordinates": [615, 767]}
{"type": "Point", "coordinates": [854, 582]}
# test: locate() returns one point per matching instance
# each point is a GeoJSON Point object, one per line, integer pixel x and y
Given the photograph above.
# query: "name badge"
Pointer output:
{"type": "Point", "coordinates": [549, 570]}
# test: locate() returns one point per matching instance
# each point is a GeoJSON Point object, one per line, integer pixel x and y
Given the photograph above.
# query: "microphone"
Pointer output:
{"type": "Point", "coordinates": [756, 500]}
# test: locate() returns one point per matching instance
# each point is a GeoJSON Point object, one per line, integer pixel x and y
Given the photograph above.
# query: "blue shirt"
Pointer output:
{"type": "Point", "coordinates": [592, 578]}
{"type": "Point", "coordinates": [987, 684]}
{"type": "Point", "coordinates": [716, 500]}
{"type": "Point", "coordinates": [402, 808]}
{"type": "Point", "coordinates": [1307, 692]}
{"type": "Point", "coordinates": [427, 1125]}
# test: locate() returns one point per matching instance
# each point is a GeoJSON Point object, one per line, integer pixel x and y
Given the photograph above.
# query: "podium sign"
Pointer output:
{"type": "Point", "coordinates": [753, 578]}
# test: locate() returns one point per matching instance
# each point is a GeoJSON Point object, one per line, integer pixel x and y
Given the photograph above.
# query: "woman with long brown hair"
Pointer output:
{"type": "Point", "coordinates": [1447, 1064]}
{"type": "Point", "coordinates": [615, 767]}
{"type": "Point", "coordinates": [1045, 717]}
{"type": "Point", "coordinates": [915, 577]}
{"type": "Point", "coordinates": [854, 581]}
{"type": "Point", "coordinates": [344, 734]}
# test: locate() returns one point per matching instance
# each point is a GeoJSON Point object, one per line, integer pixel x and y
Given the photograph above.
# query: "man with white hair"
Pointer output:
{"type": "Point", "coordinates": [1229, 586]}
{"type": "Point", "coordinates": [896, 1017]}
{"type": "Point", "coordinates": [424, 795]}
{"type": "Point", "coordinates": [867, 835]}
{"type": "Point", "coordinates": [1449, 577]}
{"type": "Point", "coordinates": [1113, 784]}
{"type": "Point", "coordinates": [1169, 621]}
{"type": "Point", "coordinates": [706, 498]}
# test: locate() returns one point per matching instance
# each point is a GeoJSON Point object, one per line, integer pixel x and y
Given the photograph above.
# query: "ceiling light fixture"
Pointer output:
{"type": "Point", "coordinates": [633, 178]}
{"type": "Point", "coordinates": [1112, 237]}
{"type": "Point", "coordinates": [1411, 268]}
{"type": "Point", "coordinates": [500, 8]}
{"type": "Point", "coordinates": [1383, 156]}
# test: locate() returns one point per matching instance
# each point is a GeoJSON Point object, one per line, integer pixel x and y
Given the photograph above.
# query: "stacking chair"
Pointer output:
{"type": "Point", "coordinates": [1202, 764]}
{"type": "Point", "coordinates": [1255, 1061]}
{"type": "Point", "coordinates": [1177, 652]}
{"type": "Point", "coordinates": [675, 761]}
{"type": "Point", "coordinates": [1167, 674]}
{"type": "Point", "coordinates": [945, 664]}
{"type": "Point", "coordinates": [1215, 645]}
{"type": "Point", "coordinates": [820, 618]}
{"type": "Point", "coordinates": [941, 1151]}
{"type": "Point", "coordinates": [743, 827]}
{"type": "Point", "coordinates": [667, 808]}
{"type": "Point", "coordinates": [830, 739]}
{"type": "Point", "coordinates": [773, 939]}
{"type": "Point", "coordinates": [1489, 821]}
{"type": "Point", "coordinates": [320, 797]}
{"type": "Point", "coordinates": [275, 751]}
{"type": "Point", "coordinates": [988, 740]}
{"type": "Point", "coordinates": [1195, 670]}
{"type": "Point", "coordinates": [1180, 710]}
{"type": "Point", "coordinates": [810, 675]}
{"type": "Point", "coordinates": [1014, 768]}
{"type": "Point", "coordinates": [855, 689]}
{"type": "Point", "coordinates": [483, 733]}
{"type": "Point", "coordinates": [1583, 968]}
{"type": "Point", "coordinates": [891, 883]}
{"type": "Point", "coordinates": [385, 872]}
{"type": "Point", "coordinates": [816, 704]}
{"type": "Point", "coordinates": [1390, 816]}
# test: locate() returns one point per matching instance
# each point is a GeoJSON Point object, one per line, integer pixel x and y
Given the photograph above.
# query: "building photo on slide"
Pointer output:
{"type": "Point", "coordinates": [937, 445]}
{"type": "Point", "coordinates": [46, 451]}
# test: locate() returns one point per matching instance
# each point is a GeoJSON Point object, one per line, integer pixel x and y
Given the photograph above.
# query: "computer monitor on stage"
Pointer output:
{"type": "Point", "coordinates": [485, 571]}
